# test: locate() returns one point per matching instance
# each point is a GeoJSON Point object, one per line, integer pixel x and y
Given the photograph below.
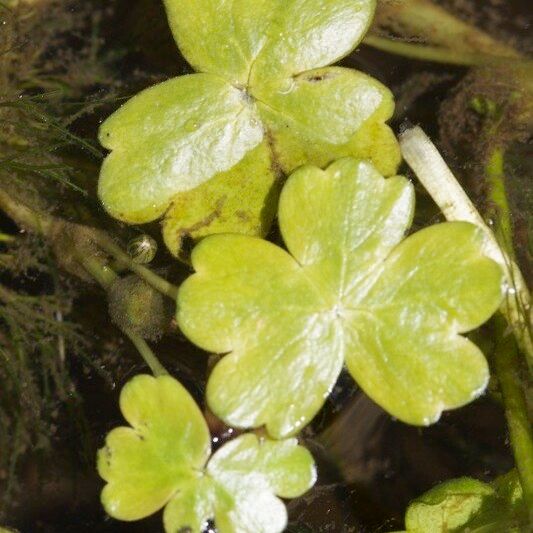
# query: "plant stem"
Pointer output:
{"type": "Point", "coordinates": [507, 368]}
{"type": "Point", "coordinates": [497, 194]}
{"type": "Point", "coordinates": [24, 216]}
{"type": "Point", "coordinates": [425, 52]}
{"type": "Point", "coordinates": [430, 168]}
{"type": "Point", "coordinates": [122, 258]}
{"type": "Point", "coordinates": [42, 223]}
{"type": "Point", "coordinates": [146, 353]}
{"type": "Point", "coordinates": [106, 277]}
{"type": "Point", "coordinates": [422, 29]}
{"type": "Point", "coordinates": [4, 237]}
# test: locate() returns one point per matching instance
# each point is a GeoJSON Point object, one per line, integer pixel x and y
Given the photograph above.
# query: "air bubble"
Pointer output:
{"type": "Point", "coordinates": [142, 249]}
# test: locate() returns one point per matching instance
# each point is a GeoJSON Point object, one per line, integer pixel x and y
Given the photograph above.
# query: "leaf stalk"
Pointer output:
{"type": "Point", "coordinates": [421, 29]}
{"type": "Point", "coordinates": [507, 368]}
{"type": "Point", "coordinates": [44, 224]}
{"type": "Point", "coordinates": [106, 276]}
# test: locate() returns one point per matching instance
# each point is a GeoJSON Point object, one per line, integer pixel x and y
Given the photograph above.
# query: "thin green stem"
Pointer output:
{"type": "Point", "coordinates": [432, 171]}
{"type": "Point", "coordinates": [497, 195]}
{"type": "Point", "coordinates": [425, 52]}
{"type": "Point", "coordinates": [422, 29]}
{"type": "Point", "coordinates": [149, 357]}
{"type": "Point", "coordinates": [106, 277]}
{"type": "Point", "coordinates": [23, 215]}
{"type": "Point", "coordinates": [101, 272]}
{"type": "Point", "coordinates": [122, 258]}
{"type": "Point", "coordinates": [437, 54]}
{"type": "Point", "coordinates": [4, 237]}
{"type": "Point", "coordinates": [507, 368]}
{"type": "Point", "coordinates": [43, 223]}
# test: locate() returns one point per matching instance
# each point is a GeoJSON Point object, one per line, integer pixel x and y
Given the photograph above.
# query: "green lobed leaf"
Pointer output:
{"type": "Point", "coordinates": [167, 444]}
{"type": "Point", "coordinates": [244, 39]}
{"type": "Point", "coordinates": [466, 504]}
{"type": "Point", "coordinates": [170, 138]}
{"type": "Point", "coordinates": [188, 143]}
{"type": "Point", "coordinates": [163, 460]}
{"type": "Point", "coordinates": [448, 506]}
{"type": "Point", "coordinates": [248, 473]}
{"type": "Point", "coordinates": [350, 290]}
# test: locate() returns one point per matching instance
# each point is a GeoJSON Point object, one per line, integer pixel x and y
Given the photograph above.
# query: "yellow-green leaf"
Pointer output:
{"type": "Point", "coordinates": [466, 504]}
{"type": "Point", "coordinates": [162, 460]}
{"type": "Point", "coordinates": [167, 444]}
{"type": "Point", "coordinates": [349, 291]}
{"type": "Point", "coordinates": [263, 78]}
{"type": "Point", "coordinates": [171, 138]}
{"type": "Point", "coordinates": [249, 473]}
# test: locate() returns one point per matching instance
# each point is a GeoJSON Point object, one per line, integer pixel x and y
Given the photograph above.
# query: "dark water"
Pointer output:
{"type": "Point", "coordinates": [370, 465]}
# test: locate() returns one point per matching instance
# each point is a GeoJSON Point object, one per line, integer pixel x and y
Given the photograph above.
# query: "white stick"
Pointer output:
{"type": "Point", "coordinates": [435, 175]}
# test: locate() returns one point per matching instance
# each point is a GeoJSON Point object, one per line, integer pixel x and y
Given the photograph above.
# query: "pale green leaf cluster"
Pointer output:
{"type": "Point", "coordinates": [348, 290]}
{"type": "Point", "coordinates": [468, 505]}
{"type": "Point", "coordinates": [163, 460]}
{"type": "Point", "coordinates": [208, 150]}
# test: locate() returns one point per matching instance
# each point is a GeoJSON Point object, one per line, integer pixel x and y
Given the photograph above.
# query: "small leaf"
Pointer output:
{"type": "Point", "coordinates": [163, 461]}
{"type": "Point", "coordinates": [170, 138]}
{"type": "Point", "coordinates": [349, 290]}
{"type": "Point", "coordinates": [466, 504]}
{"type": "Point", "coordinates": [167, 444]}
{"type": "Point", "coordinates": [249, 472]}
{"type": "Point", "coordinates": [448, 506]}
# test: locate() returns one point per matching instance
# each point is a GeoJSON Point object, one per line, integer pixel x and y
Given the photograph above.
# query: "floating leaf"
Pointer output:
{"type": "Point", "coordinates": [466, 504]}
{"type": "Point", "coordinates": [171, 138]}
{"type": "Point", "coordinates": [264, 83]}
{"type": "Point", "coordinates": [164, 460]}
{"type": "Point", "coordinates": [348, 291]}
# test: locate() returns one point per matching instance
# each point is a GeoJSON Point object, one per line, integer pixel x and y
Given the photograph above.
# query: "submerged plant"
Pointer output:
{"type": "Point", "coordinates": [36, 337]}
{"type": "Point", "coordinates": [207, 149]}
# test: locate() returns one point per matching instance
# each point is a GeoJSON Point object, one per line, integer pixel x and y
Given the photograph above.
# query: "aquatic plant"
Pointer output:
{"type": "Point", "coordinates": [351, 292]}
{"type": "Point", "coordinates": [165, 460]}
{"type": "Point", "coordinates": [266, 127]}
